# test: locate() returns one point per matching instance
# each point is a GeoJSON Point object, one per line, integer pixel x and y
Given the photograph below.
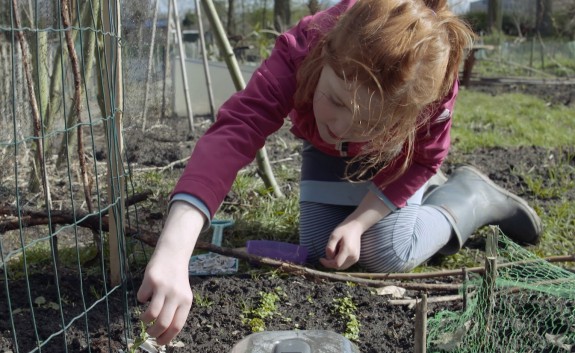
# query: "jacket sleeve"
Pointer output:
{"type": "Point", "coordinates": [431, 147]}
{"type": "Point", "coordinates": [244, 122]}
{"type": "Point", "coordinates": [251, 115]}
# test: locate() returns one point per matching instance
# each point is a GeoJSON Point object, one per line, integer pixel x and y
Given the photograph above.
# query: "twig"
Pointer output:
{"type": "Point", "coordinates": [161, 169]}
{"type": "Point", "coordinates": [151, 239]}
{"type": "Point", "coordinates": [447, 273]}
{"type": "Point", "coordinates": [76, 111]}
{"type": "Point", "coordinates": [440, 299]}
{"type": "Point", "coordinates": [92, 221]}
{"type": "Point", "coordinates": [277, 161]}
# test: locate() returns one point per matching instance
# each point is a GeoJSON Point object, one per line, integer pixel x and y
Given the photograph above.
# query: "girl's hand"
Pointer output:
{"type": "Point", "coordinates": [167, 286]}
{"type": "Point", "coordinates": [344, 246]}
{"type": "Point", "coordinates": [166, 281]}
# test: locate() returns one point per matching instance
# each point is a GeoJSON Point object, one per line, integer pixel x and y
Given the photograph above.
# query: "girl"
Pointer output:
{"type": "Point", "coordinates": [369, 86]}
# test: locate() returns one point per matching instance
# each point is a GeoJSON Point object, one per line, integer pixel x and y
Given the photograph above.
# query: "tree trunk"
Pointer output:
{"type": "Point", "coordinates": [282, 15]}
{"type": "Point", "coordinates": [543, 20]}
{"type": "Point", "coordinates": [231, 25]}
{"type": "Point", "coordinates": [494, 16]}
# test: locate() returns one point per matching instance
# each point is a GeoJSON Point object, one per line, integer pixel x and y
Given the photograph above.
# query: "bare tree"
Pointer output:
{"type": "Point", "coordinates": [523, 16]}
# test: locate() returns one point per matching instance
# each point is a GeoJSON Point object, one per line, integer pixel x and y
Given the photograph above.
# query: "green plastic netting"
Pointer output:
{"type": "Point", "coordinates": [531, 309]}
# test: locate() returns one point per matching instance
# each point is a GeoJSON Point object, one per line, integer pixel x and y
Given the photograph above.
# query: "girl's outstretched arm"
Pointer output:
{"type": "Point", "coordinates": [166, 283]}
{"type": "Point", "coordinates": [344, 245]}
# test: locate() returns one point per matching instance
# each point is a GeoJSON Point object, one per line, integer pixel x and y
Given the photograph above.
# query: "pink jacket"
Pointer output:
{"type": "Point", "coordinates": [251, 115]}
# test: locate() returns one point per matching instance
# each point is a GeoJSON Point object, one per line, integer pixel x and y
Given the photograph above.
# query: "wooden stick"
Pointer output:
{"type": "Point", "coordinates": [309, 272]}
{"type": "Point", "coordinates": [81, 218]}
{"type": "Point", "coordinates": [489, 278]}
{"type": "Point", "coordinates": [446, 273]}
{"type": "Point", "coordinates": [421, 325]}
{"type": "Point", "coordinates": [439, 299]}
{"type": "Point", "coordinates": [465, 292]}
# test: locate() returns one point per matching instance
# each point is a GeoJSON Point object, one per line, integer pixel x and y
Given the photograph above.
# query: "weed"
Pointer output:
{"type": "Point", "coordinates": [259, 215]}
{"type": "Point", "coordinates": [96, 293]}
{"type": "Point", "coordinates": [202, 302]}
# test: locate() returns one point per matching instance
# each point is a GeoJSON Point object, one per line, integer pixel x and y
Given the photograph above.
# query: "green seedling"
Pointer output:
{"type": "Point", "coordinates": [346, 308]}
{"type": "Point", "coordinates": [142, 337]}
{"type": "Point", "coordinates": [254, 317]}
{"type": "Point", "coordinates": [309, 299]}
{"type": "Point", "coordinates": [202, 302]}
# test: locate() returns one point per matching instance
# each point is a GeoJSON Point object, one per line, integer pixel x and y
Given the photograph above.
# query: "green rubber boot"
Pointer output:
{"type": "Point", "coordinates": [470, 200]}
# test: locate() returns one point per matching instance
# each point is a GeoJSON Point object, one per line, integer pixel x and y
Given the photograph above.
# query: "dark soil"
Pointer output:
{"type": "Point", "coordinates": [215, 323]}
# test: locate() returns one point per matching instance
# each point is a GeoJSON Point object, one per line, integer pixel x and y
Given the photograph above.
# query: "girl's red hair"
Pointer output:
{"type": "Point", "coordinates": [407, 52]}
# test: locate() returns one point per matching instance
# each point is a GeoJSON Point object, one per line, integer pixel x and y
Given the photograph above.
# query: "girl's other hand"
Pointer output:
{"type": "Point", "coordinates": [166, 283]}
{"type": "Point", "coordinates": [344, 246]}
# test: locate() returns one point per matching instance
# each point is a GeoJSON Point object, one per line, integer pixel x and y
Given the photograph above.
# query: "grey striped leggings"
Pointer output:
{"type": "Point", "coordinates": [397, 243]}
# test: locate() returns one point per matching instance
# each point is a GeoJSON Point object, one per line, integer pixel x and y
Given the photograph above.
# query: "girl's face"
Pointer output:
{"type": "Point", "coordinates": [342, 110]}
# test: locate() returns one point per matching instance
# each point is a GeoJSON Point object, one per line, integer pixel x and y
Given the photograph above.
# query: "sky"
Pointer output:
{"type": "Point", "coordinates": [459, 6]}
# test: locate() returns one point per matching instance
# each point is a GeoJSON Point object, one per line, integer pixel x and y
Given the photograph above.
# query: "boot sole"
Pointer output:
{"type": "Point", "coordinates": [536, 221]}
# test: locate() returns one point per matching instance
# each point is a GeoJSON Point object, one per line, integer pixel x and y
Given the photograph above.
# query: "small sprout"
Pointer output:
{"type": "Point", "coordinates": [254, 317]}
{"type": "Point", "coordinates": [309, 299]}
{"type": "Point", "coordinates": [346, 308]}
{"type": "Point", "coordinates": [140, 339]}
{"type": "Point", "coordinates": [202, 302]}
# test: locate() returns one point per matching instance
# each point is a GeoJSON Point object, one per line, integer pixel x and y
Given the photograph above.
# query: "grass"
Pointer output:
{"type": "Point", "coordinates": [258, 214]}
{"type": "Point", "coordinates": [507, 120]}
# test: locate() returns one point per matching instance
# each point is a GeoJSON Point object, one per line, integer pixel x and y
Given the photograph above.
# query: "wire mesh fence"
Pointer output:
{"type": "Point", "coordinates": [65, 190]}
{"type": "Point", "coordinates": [528, 57]}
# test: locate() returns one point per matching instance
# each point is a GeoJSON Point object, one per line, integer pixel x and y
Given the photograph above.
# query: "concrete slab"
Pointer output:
{"type": "Point", "coordinates": [222, 85]}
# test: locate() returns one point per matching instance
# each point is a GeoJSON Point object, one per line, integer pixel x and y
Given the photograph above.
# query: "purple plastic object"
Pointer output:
{"type": "Point", "coordinates": [278, 250]}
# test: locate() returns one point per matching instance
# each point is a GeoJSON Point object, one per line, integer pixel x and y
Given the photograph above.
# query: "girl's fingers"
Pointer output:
{"type": "Point", "coordinates": [154, 309]}
{"type": "Point", "coordinates": [340, 262]}
{"type": "Point", "coordinates": [328, 263]}
{"type": "Point", "coordinates": [145, 292]}
{"type": "Point", "coordinates": [330, 250]}
{"type": "Point", "coordinates": [163, 320]}
{"type": "Point", "coordinates": [178, 323]}
{"type": "Point", "coordinates": [332, 246]}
